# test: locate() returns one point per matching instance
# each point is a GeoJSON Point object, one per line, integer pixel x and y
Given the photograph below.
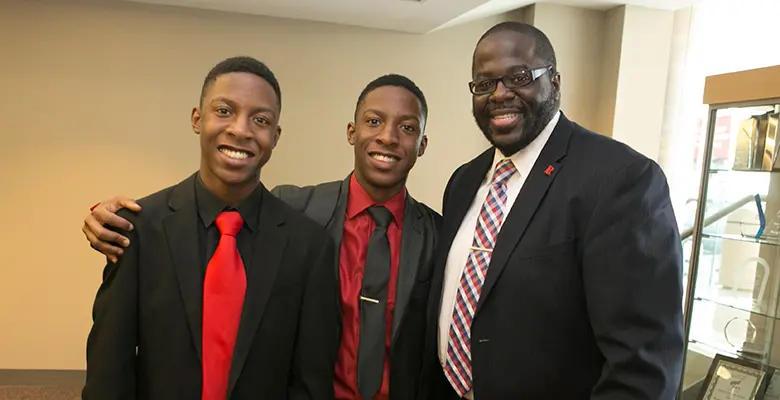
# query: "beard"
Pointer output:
{"type": "Point", "coordinates": [534, 121]}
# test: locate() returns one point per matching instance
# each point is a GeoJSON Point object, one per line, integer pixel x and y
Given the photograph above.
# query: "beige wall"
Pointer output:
{"type": "Point", "coordinates": [623, 91]}
{"type": "Point", "coordinates": [577, 36]}
{"type": "Point", "coordinates": [96, 101]}
{"type": "Point", "coordinates": [676, 147]}
{"type": "Point", "coordinates": [610, 66]}
{"type": "Point", "coordinates": [646, 45]}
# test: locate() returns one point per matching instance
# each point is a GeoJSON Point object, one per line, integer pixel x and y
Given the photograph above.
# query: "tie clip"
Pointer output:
{"type": "Point", "coordinates": [481, 249]}
{"type": "Point", "coordinates": [370, 300]}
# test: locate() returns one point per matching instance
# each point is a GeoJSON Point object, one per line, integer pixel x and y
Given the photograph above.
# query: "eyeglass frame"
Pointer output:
{"type": "Point", "coordinates": [536, 73]}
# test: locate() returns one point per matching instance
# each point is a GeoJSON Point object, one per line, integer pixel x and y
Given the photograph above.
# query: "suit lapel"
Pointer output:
{"type": "Point", "coordinates": [266, 260]}
{"type": "Point", "coordinates": [411, 250]}
{"type": "Point", "coordinates": [335, 225]}
{"type": "Point", "coordinates": [534, 189]}
{"type": "Point", "coordinates": [181, 232]}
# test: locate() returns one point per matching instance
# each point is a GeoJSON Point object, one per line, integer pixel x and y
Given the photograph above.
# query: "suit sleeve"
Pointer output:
{"type": "Point", "coordinates": [632, 275]}
{"type": "Point", "coordinates": [317, 341]}
{"type": "Point", "coordinates": [279, 191]}
{"type": "Point", "coordinates": [112, 341]}
{"type": "Point", "coordinates": [295, 196]}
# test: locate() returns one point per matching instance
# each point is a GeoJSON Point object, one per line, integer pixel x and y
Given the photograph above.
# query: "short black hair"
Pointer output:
{"type": "Point", "coordinates": [543, 48]}
{"type": "Point", "coordinates": [397, 81]}
{"type": "Point", "coordinates": [242, 64]}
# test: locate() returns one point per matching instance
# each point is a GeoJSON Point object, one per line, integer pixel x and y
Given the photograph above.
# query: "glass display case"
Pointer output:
{"type": "Point", "coordinates": [733, 278]}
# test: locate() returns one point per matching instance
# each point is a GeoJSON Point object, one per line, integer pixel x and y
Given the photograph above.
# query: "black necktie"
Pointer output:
{"type": "Point", "coordinates": [373, 303]}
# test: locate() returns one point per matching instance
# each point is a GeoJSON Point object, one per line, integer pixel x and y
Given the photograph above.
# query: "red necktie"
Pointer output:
{"type": "Point", "coordinates": [223, 298]}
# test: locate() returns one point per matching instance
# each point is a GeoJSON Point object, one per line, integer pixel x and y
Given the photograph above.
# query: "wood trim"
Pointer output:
{"type": "Point", "coordinates": [29, 377]}
{"type": "Point", "coordinates": [734, 87]}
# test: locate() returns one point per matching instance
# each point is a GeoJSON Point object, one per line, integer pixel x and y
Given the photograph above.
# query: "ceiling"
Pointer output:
{"type": "Point", "coordinates": [413, 16]}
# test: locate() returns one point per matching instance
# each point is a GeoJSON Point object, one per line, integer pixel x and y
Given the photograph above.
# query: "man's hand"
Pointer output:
{"type": "Point", "coordinates": [102, 239]}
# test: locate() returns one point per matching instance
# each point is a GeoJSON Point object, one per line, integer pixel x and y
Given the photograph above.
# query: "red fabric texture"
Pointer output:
{"type": "Point", "coordinates": [223, 298]}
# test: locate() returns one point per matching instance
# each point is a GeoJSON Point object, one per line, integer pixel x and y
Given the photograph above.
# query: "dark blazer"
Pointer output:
{"type": "Point", "coordinates": [152, 298]}
{"type": "Point", "coordinates": [327, 205]}
{"type": "Point", "coordinates": [583, 295]}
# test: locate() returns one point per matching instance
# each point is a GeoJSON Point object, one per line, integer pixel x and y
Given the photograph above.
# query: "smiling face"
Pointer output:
{"type": "Point", "coordinates": [512, 118]}
{"type": "Point", "coordinates": [238, 127]}
{"type": "Point", "coordinates": [387, 136]}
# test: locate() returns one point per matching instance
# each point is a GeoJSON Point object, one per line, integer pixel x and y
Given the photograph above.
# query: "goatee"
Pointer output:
{"type": "Point", "coordinates": [534, 122]}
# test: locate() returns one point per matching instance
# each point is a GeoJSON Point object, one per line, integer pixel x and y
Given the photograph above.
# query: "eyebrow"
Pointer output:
{"type": "Point", "coordinates": [514, 68]}
{"type": "Point", "coordinates": [408, 116]}
{"type": "Point", "coordinates": [254, 110]}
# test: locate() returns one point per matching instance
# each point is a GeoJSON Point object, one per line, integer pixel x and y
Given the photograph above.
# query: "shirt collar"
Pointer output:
{"type": "Point", "coordinates": [358, 201]}
{"type": "Point", "coordinates": [209, 206]}
{"type": "Point", "coordinates": [525, 159]}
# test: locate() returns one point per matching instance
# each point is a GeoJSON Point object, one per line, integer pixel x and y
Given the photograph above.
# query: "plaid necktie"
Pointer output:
{"type": "Point", "coordinates": [457, 366]}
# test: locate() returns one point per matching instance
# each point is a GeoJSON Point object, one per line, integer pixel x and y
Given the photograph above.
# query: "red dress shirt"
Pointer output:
{"type": "Point", "coordinates": [358, 226]}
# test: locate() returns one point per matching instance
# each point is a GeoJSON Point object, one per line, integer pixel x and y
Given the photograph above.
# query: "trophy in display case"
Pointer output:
{"type": "Point", "coordinates": [757, 144]}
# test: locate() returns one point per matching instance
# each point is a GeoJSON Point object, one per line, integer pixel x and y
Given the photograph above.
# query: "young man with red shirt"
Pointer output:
{"type": "Point", "coordinates": [386, 241]}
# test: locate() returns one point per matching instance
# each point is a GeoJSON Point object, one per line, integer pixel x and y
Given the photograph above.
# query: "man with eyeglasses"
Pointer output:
{"type": "Point", "coordinates": [559, 270]}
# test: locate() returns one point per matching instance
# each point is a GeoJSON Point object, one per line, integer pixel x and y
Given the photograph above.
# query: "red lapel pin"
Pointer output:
{"type": "Point", "coordinates": [549, 170]}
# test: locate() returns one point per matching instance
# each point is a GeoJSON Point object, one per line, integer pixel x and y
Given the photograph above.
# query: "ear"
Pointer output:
{"type": "Point", "coordinates": [277, 136]}
{"type": "Point", "coordinates": [423, 146]}
{"type": "Point", "coordinates": [351, 133]}
{"type": "Point", "coordinates": [556, 81]}
{"type": "Point", "coordinates": [195, 119]}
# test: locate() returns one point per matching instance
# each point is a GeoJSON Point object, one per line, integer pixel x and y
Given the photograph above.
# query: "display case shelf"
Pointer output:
{"type": "Point", "coordinates": [711, 350]}
{"type": "Point", "coordinates": [773, 241]}
{"type": "Point", "coordinates": [739, 305]}
{"type": "Point", "coordinates": [741, 171]}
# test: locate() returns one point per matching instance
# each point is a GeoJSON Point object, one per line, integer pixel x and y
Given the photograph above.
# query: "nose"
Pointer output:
{"type": "Point", "coordinates": [239, 128]}
{"type": "Point", "coordinates": [388, 136]}
{"type": "Point", "coordinates": [502, 93]}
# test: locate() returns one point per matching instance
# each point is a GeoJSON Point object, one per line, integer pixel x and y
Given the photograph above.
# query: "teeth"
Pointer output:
{"type": "Point", "coordinates": [384, 158]}
{"type": "Point", "coordinates": [505, 116]}
{"type": "Point", "coordinates": [236, 155]}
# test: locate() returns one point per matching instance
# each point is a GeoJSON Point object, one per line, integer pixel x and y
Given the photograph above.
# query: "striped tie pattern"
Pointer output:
{"type": "Point", "coordinates": [457, 366]}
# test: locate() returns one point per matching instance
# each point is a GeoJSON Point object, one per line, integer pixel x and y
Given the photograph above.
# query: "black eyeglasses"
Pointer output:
{"type": "Point", "coordinates": [513, 81]}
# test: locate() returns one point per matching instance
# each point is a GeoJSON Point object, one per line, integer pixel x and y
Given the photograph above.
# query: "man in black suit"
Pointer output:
{"type": "Point", "coordinates": [559, 271]}
{"type": "Point", "coordinates": [383, 341]}
{"type": "Point", "coordinates": [224, 290]}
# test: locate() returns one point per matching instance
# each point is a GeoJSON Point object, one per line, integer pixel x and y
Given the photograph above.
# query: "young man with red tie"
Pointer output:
{"type": "Point", "coordinates": [224, 291]}
{"type": "Point", "coordinates": [386, 243]}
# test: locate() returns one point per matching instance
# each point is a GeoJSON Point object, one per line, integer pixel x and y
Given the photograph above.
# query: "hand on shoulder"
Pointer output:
{"type": "Point", "coordinates": [99, 222]}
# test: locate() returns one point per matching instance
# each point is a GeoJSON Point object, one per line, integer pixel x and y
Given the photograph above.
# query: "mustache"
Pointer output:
{"type": "Point", "coordinates": [519, 105]}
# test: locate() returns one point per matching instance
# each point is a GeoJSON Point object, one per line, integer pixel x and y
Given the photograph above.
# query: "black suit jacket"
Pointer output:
{"type": "Point", "coordinates": [152, 299]}
{"type": "Point", "coordinates": [583, 295]}
{"type": "Point", "coordinates": [327, 205]}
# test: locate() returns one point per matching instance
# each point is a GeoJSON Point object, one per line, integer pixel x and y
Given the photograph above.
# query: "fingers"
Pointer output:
{"type": "Point", "coordinates": [130, 204]}
{"type": "Point", "coordinates": [111, 252]}
{"type": "Point", "coordinates": [105, 240]}
{"type": "Point", "coordinates": [106, 215]}
{"type": "Point", "coordinates": [106, 235]}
